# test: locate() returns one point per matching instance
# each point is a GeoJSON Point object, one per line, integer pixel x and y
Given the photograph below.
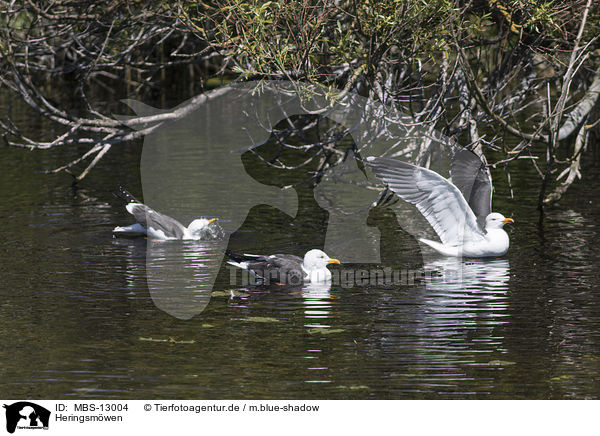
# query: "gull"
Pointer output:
{"type": "Point", "coordinates": [162, 227]}
{"type": "Point", "coordinates": [459, 210]}
{"type": "Point", "coordinates": [286, 269]}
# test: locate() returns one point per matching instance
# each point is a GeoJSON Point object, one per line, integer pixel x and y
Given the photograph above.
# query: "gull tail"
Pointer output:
{"type": "Point", "coordinates": [242, 265]}
{"type": "Point", "coordinates": [446, 250]}
{"type": "Point", "coordinates": [236, 256]}
{"type": "Point", "coordinates": [241, 261]}
{"type": "Point", "coordinates": [130, 231]}
{"type": "Point", "coordinates": [125, 195]}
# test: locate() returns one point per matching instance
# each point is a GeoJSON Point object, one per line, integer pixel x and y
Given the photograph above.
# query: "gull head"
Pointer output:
{"type": "Point", "coordinates": [200, 224]}
{"type": "Point", "coordinates": [204, 229]}
{"type": "Point", "coordinates": [496, 221]}
{"type": "Point", "coordinates": [317, 259]}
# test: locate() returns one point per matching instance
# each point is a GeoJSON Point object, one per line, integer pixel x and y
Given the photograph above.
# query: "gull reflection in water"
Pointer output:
{"type": "Point", "coordinates": [465, 292]}
{"type": "Point", "coordinates": [317, 303]}
{"type": "Point", "coordinates": [456, 275]}
{"type": "Point", "coordinates": [181, 274]}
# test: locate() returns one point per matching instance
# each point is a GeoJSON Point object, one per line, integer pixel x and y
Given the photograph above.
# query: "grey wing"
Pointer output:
{"type": "Point", "coordinates": [285, 261]}
{"type": "Point", "coordinates": [274, 262]}
{"type": "Point", "coordinates": [438, 200]}
{"type": "Point", "coordinates": [289, 267]}
{"type": "Point", "coordinates": [156, 223]}
{"type": "Point", "coordinates": [275, 267]}
{"type": "Point", "coordinates": [472, 177]}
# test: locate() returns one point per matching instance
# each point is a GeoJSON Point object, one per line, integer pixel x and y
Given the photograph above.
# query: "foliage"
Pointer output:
{"type": "Point", "coordinates": [484, 72]}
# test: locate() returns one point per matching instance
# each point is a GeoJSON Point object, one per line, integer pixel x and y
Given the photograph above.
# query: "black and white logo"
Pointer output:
{"type": "Point", "coordinates": [26, 415]}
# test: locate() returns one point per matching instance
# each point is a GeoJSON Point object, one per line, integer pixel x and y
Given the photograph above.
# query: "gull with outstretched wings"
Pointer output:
{"type": "Point", "coordinates": [459, 210]}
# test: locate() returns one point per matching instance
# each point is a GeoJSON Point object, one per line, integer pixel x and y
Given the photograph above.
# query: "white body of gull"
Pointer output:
{"type": "Point", "coordinates": [465, 227]}
{"type": "Point", "coordinates": [286, 269]}
{"type": "Point", "coordinates": [159, 226]}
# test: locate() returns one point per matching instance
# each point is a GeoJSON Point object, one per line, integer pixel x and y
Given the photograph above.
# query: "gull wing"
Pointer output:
{"type": "Point", "coordinates": [157, 224]}
{"type": "Point", "coordinates": [472, 177]}
{"type": "Point", "coordinates": [438, 200]}
{"type": "Point", "coordinates": [260, 262]}
{"type": "Point", "coordinates": [276, 266]}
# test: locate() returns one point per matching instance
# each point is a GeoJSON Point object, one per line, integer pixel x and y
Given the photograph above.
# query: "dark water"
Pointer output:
{"type": "Point", "coordinates": [80, 321]}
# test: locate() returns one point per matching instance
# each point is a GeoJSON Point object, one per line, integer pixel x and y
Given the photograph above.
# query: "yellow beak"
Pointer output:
{"type": "Point", "coordinates": [508, 220]}
{"type": "Point", "coordinates": [337, 262]}
{"type": "Point", "coordinates": [213, 220]}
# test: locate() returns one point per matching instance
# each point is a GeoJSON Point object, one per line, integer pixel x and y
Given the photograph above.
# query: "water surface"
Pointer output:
{"type": "Point", "coordinates": [80, 321]}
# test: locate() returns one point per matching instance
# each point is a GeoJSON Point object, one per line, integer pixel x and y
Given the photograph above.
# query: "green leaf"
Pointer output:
{"type": "Point", "coordinates": [261, 319]}
{"type": "Point", "coordinates": [561, 378]}
{"type": "Point", "coordinates": [236, 293]}
{"type": "Point", "coordinates": [324, 330]}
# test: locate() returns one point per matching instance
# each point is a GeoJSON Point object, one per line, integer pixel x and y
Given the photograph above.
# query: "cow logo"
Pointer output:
{"type": "Point", "coordinates": [26, 415]}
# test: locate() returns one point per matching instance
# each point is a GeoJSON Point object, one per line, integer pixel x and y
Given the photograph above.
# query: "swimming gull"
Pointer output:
{"type": "Point", "coordinates": [286, 269]}
{"type": "Point", "coordinates": [465, 227]}
{"type": "Point", "coordinates": [159, 226]}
